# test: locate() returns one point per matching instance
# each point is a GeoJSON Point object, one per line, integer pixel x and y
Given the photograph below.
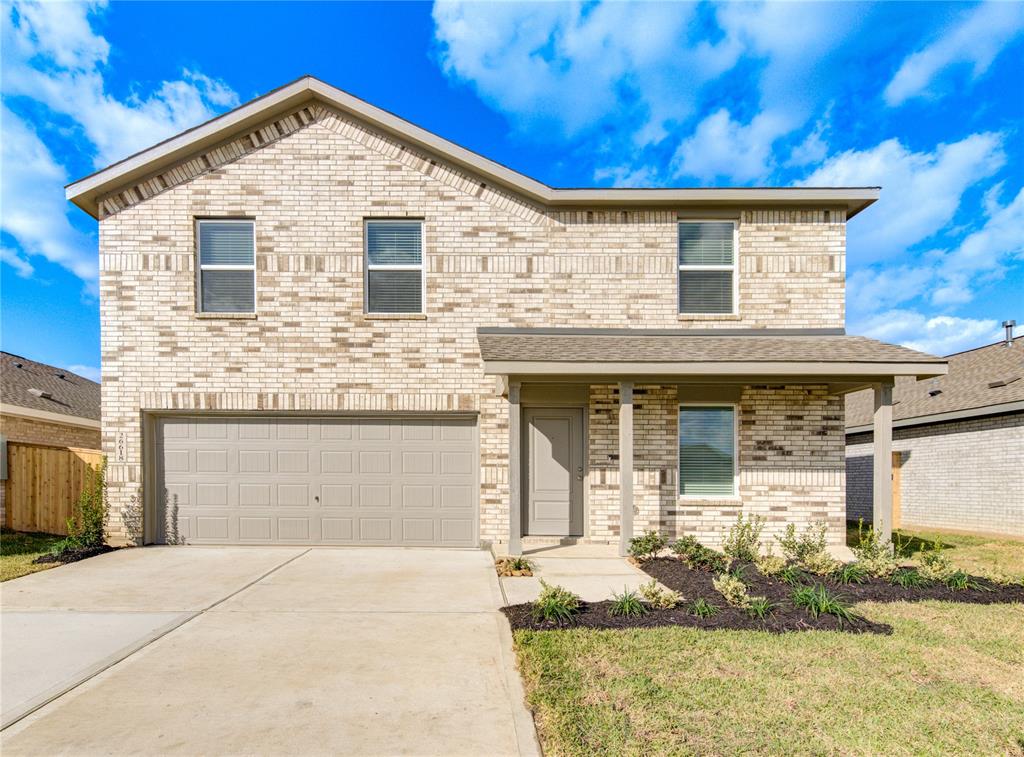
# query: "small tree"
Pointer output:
{"type": "Point", "coordinates": [88, 524]}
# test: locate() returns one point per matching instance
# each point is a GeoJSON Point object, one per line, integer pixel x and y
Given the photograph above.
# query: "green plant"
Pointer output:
{"type": "Point", "coordinates": [702, 608]}
{"type": "Point", "coordinates": [874, 555]}
{"type": "Point", "coordinates": [647, 546]}
{"type": "Point", "coordinates": [708, 559]}
{"type": "Point", "coordinates": [812, 540]}
{"type": "Point", "coordinates": [732, 589]}
{"type": "Point", "coordinates": [851, 573]}
{"type": "Point", "coordinates": [87, 525]}
{"type": "Point", "coordinates": [743, 541]}
{"type": "Point", "coordinates": [817, 600]}
{"type": "Point", "coordinates": [935, 566]}
{"type": "Point", "coordinates": [770, 565]}
{"type": "Point", "coordinates": [760, 607]}
{"type": "Point", "coordinates": [687, 545]}
{"type": "Point", "coordinates": [555, 604]}
{"type": "Point", "coordinates": [792, 575]}
{"type": "Point", "coordinates": [514, 566]}
{"type": "Point", "coordinates": [627, 604]}
{"type": "Point", "coordinates": [960, 581]}
{"type": "Point", "coordinates": [908, 578]}
{"type": "Point", "coordinates": [820, 563]}
{"type": "Point", "coordinates": [658, 597]}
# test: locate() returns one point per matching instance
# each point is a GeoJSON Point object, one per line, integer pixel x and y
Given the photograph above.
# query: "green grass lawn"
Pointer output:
{"type": "Point", "coordinates": [949, 680]}
{"type": "Point", "coordinates": [18, 550]}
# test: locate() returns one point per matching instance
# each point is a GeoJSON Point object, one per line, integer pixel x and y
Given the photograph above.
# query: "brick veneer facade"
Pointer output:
{"type": "Point", "coordinates": [493, 259]}
{"type": "Point", "coordinates": [937, 490]}
{"type": "Point", "coordinates": [31, 431]}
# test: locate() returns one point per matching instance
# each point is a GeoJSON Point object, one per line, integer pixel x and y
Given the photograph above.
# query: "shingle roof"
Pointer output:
{"type": "Point", "coordinates": [618, 346]}
{"type": "Point", "coordinates": [69, 393]}
{"type": "Point", "coordinates": [965, 387]}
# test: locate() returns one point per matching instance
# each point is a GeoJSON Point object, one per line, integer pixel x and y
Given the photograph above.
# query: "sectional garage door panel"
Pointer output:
{"type": "Point", "coordinates": [270, 480]}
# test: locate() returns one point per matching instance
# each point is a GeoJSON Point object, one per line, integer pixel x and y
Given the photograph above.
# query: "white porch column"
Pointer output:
{"type": "Point", "coordinates": [882, 464]}
{"type": "Point", "coordinates": [515, 515]}
{"type": "Point", "coordinates": [625, 466]}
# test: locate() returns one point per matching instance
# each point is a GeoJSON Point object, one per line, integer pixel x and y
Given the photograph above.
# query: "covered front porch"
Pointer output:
{"type": "Point", "coordinates": [613, 432]}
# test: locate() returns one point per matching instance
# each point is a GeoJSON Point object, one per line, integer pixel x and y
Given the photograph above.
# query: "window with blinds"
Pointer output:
{"type": "Point", "coordinates": [707, 267]}
{"type": "Point", "coordinates": [394, 267]}
{"type": "Point", "coordinates": [227, 266]}
{"type": "Point", "coordinates": [707, 450]}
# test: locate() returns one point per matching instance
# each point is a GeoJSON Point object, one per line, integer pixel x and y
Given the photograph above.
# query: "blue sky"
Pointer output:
{"type": "Point", "coordinates": [924, 99]}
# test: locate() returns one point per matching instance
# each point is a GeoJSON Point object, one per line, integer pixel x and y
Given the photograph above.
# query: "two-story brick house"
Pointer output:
{"type": "Point", "coordinates": [324, 325]}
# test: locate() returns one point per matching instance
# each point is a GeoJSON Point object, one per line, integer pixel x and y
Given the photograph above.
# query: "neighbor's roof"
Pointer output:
{"type": "Point", "coordinates": [794, 352]}
{"type": "Point", "coordinates": [86, 191]}
{"type": "Point", "coordinates": [58, 391]}
{"type": "Point", "coordinates": [985, 381]}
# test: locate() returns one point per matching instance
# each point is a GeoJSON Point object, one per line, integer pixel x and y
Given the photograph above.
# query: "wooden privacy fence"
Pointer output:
{"type": "Point", "coordinates": [43, 484]}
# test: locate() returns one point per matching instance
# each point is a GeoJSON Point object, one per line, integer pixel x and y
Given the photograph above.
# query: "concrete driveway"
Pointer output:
{"type": "Point", "coordinates": [237, 650]}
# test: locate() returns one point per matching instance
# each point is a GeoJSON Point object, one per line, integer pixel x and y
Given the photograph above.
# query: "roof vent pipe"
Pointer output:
{"type": "Point", "coordinates": [1008, 325]}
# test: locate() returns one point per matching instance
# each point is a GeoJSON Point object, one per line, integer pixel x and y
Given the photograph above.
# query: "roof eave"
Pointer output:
{"type": "Point", "coordinates": [85, 192]}
{"type": "Point", "coordinates": [765, 369]}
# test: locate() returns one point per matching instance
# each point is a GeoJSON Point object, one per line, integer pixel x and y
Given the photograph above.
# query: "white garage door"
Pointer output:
{"type": "Point", "coordinates": [263, 480]}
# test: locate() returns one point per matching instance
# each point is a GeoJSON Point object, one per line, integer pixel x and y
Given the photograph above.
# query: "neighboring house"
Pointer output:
{"type": "Point", "coordinates": [959, 440]}
{"type": "Point", "coordinates": [325, 325]}
{"type": "Point", "coordinates": [42, 404]}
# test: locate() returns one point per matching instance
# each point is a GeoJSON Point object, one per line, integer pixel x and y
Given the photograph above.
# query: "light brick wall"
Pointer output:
{"type": "Point", "coordinates": [31, 431]}
{"type": "Point", "coordinates": [492, 260]}
{"type": "Point", "coordinates": [791, 464]}
{"type": "Point", "coordinates": [963, 475]}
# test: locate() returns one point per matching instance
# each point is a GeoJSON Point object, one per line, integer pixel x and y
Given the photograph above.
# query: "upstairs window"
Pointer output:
{"type": "Point", "coordinates": [227, 266]}
{"type": "Point", "coordinates": [707, 267]}
{"type": "Point", "coordinates": [707, 450]}
{"type": "Point", "coordinates": [394, 267]}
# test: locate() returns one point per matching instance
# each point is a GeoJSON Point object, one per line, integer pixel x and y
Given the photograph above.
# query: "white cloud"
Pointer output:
{"type": "Point", "coordinates": [34, 208]}
{"type": "Point", "coordinates": [869, 290]}
{"type": "Point", "coordinates": [628, 176]}
{"type": "Point", "coordinates": [976, 41]}
{"type": "Point", "coordinates": [921, 191]}
{"type": "Point", "coordinates": [938, 335]}
{"type": "Point", "coordinates": [721, 147]}
{"type": "Point", "coordinates": [52, 55]}
{"type": "Point", "coordinates": [16, 261]}
{"type": "Point", "coordinates": [90, 372]}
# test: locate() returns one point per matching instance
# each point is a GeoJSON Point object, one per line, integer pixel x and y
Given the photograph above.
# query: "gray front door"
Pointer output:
{"type": "Point", "coordinates": [554, 471]}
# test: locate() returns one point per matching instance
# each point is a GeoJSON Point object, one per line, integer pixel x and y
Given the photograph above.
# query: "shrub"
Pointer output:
{"type": "Point", "coordinates": [960, 581]}
{"type": "Point", "coordinates": [744, 539]}
{"type": "Point", "coordinates": [935, 565]}
{"type": "Point", "coordinates": [810, 542]}
{"type": "Point", "coordinates": [770, 565]}
{"type": "Point", "coordinates": [874, 555]}
{"type": "Point", "coordinates": [792, 575]}
{"type": "Point", "coordinates": [851, 573]}
{"type": "Point", "coordinates": [908, 578]}
{"type": "Point", "coordinates": [658, 597]}
{"type": "Point", "coordinates": [708, 559]}
{"type": "Point", "coordinates": [87, 525]}
{"type": "Point", "coordinates": [820, 563]}
{"type": "Point", "coordinates": [647, 546]}
{"type": "Point", "coordinates": [686, 545]}
{"type": "Point", "coordinates": [514, 566]}
{"type": "Point", "coordinates": [732, 589]}
{"type": "Point", "coordinates": [760, 607]}
{"type": "Point", "coordinates": [702, 608]}
{"type": "Point", "coordinates": [627, 604]}
{"type": "Point", "coordinates": [555, 603]}
{"type": "Point", "coordinates": [817, 600]}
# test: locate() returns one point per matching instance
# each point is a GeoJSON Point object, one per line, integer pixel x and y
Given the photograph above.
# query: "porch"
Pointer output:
{"type": "Point", "coordinates": [613, 432]}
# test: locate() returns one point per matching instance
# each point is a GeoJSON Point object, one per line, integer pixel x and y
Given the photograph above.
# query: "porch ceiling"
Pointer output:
{"type": "Point", "coordinates": [680, 354]}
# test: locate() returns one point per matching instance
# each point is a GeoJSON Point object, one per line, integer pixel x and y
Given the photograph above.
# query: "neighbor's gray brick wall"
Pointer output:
{"type": "Point", "coordinates": [492, 258]}
{"type": "Point", "coordinates": [963, 475]}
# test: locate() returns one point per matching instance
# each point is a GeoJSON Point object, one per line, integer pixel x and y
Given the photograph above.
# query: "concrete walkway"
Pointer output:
{"type": "Point", "coordinates": [593, 571]}
{"type": "Point", "coordinates": [202, 650]}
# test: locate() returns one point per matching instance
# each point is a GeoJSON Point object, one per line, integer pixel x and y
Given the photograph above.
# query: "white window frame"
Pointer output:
{"type": "Point", "coordinates": [422, 267]}
{"type": "Point", "coordinates": [735, 268]}
{"type": "Point", "coordinates": [735, 496]}
{"type": "Point", "coordinates": [200, 267]}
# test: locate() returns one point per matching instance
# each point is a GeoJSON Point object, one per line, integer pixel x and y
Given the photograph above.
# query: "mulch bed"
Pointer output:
{"type": "Point", "coordinates": [786, 617]}
{"type": "Point", "coordinates": [74, 555]}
